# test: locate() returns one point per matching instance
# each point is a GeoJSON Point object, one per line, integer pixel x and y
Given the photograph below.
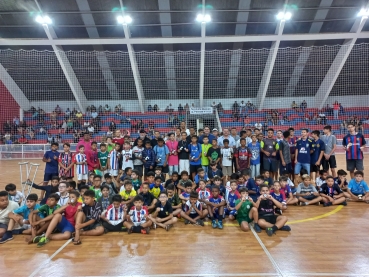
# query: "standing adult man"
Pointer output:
{"type": "Point", "coordinates": [86, 142]}
{"type": "Point", "coordinates": [206, 134]}
{"type": "Point", "coordinates": [330, 141]}
{"type": "Point", "coordinates": [226, 135]}
{"type": "Point", "coordinates": [142, 136]}
{"type": "Point", "coordinates": [354, 144]}
{"type": "Point", "coordinates": [270, 147]}
{"type": "Point", "coordinates": [184, 128]}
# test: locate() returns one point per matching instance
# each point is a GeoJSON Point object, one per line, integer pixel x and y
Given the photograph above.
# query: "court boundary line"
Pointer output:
{"type": "Point", "coordinates": [48, 260]}
{"type": "Point", "coordinates": [270, 257]}
{"type": "Point", "coordinates": [235, 274]}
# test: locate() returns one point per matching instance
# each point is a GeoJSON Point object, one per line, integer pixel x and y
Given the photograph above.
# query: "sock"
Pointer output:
{"type": "Point", "coordinates": [275, 228]}
{"type": "Point", "coordinates": [136, 229]}
{"type": "Point", "coordinates": [220, 220]}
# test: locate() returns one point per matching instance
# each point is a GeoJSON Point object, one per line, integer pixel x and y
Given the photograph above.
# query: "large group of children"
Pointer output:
{"type": "Point", "coordinates": [155, 183]}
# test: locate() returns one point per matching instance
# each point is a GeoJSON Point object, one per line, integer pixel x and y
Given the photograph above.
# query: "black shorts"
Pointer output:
{"type": "Point", "coordinates": [285, 169]}
{"type": "Point", "coordinates": [113, 228]}
{"type": "Point", "coordinates": [330, 163]}
{"type": "Point", "coordinates": [272, 219]}
{"type": "Point", "coordinates": [354, 164]}
{"type": "Point", "coordinates": [309, 197]}
{"type": "Point", "coordinates": [49, 176]}
{"type": "Point", "coordinates": [193, 216]}
{"type": "Point", "coordinates": [164, 169]}
{"type": "Point", "coordinates": [92, 226]}
{"type": "Point", "coordinates": [271, 166]}
{"type": "Point", "coordinates": [314, 168]}
{"type": "Point", "coordinates": [194, 168]}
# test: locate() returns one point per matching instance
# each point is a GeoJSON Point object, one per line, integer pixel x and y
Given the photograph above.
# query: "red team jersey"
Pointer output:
{"type": "Point", "coordinates": [66, 159]}
{"type": "Point", "coordinates": [138, 217]}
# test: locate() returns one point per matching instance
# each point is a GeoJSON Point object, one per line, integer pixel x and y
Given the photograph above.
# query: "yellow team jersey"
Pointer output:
{"type": "Point", "coordinates": [125, 195]}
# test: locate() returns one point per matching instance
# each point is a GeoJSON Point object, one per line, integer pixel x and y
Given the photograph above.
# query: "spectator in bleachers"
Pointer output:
{"type": "Point", "coordinates": [155, 108]}
{"type": "Point", "coordinates": [58, 110]}
{"type": "Point", "coordinates": [112, 126]}
{"type": "Point", "coordinates": [175, 121]}
{"type": "Point", "coordinates": [242, 107]}
{"type": "Point", "coordinates": [322, 118]}
{"type": "Point", "coordinates": [342, 110]}
{"type": "Point", "coordinates": [186, 107]}
{"type": "Point", "coordinates": [94, 114]}
{"type": "Point", "coordinates": [336, 108]}
{"type": "Point", "coordinates": [328, 110]}
{"type": "Point", "coordinates": [42, 130]}
{"type": "Point", "coordinates": [342, 127]}
{"type": "Point", "coordinates": [86, 123]}
{"type": "Point", "coordinates": [53, 115]}
{"type": "Point", "coordinates": [107, 108]}
{"type": "Point", "coordinates": [7, 138]}
{"type": "Point", "coordinates": [149, 108]}
{"type": "Point", "coordinates": [79, 116]}
{"type": "Point", "coordinates": [180, 108]}
{"type": "Point", "coordinates": [303, 105]}
{"type": "Point", "coordinates": [258, 125]}
{"type": "Point", "coordinates": [22, 140]}
{"type": "Point", "coordinates": [16, 121]}
{"type": "Point", "coordinates": [91, 129]}
{"type": "Point", "coordinates": [50, 139]}
{"type": "Point", "coordinates": [76, 137]}
{"type": "Point", "coordinates": [118, 108]}
{"type": "Point", "coordinates": [235, 115]}
{"type": "Point", "coordinates": [294, 105]}
{"type": "Point", "coordinates": [7, 127]}
{"type": "Point", "coordinates": [140, 125]}
{"type": "Point", "coordinates": [100, 110]}
{"type": "Point", "coordinates": [170, 120]}
{"type": "Point", "coordinates": [58, 139]}
{"type": "Point", "coordinates": [31, 134]}
{"type": "Point", "coordinates": [67, 113]}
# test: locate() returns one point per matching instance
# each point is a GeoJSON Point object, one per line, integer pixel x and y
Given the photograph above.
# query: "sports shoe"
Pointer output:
{"type": "Point", "coordinates": [37, 239]}
{"type": "Point", "coordinates": [257, 228]}
{"type": "Point", "coordinates": [154, 225]}
{"type": "Point", "coordinates": [187, 221]}
{"type": "Point", "coordinates": [327, 204]}
{"type": "Point", "coordinates": [278, 211]}
{"type": "Point", "coordinates": [6, 237]}
{"type": "Point", "coordinates": [130, 230]}
{"type": "Point", "coordinates": [200, 222]}
{"type": "Point", "coordinates": [344, 203]}
{"type": "Point", "coordinates": [318, 204]}
{"type": "Point", "coordinates": [285, 228]}
{"type": "Point", "coordinates": [42, 241]}
{"type": "Point", "coordinates": [269, 231]}
{"type": "Point", "coordinates": [167, 228]}
{"type": "Point", "coordinates": [220, 225]}
{"type": "Point", "coordinates": [214, 224]}
{"type": "Point", "coordinates": [145, 231]}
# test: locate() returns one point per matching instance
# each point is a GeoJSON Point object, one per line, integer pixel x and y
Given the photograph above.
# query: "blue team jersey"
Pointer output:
{"type": "Point", "coordinates": [217, 200]}
{"type": "Point", "coordinates": [197, 178]}
{"type": "Point", "coordinates": [279, 197]}
{"type": "Point", "coordinates": [318, 146]}
{"type": "Point", "coordinates": [251, 185]}
{"type": "Point", "coordinates": [25, 211]}
{"type": "Point", "coordinates": [232, 197]}
{"type": "Point", "coordinates": [161, 153]}
{"type": "Point", "coordinates": [185, 194]}
{"type": "Point", "coordinates": [53, 165]}
{"type": "Point", "coordinates": [354, 152]}
{"type": "Point", "coordinates": [358, 188]}
{"type": "Point", "coordinates": [303, 147]}
{"type": "Point", "coordinates": [255, 153]}
{"type": "Point", "coordinates": [195, 151]}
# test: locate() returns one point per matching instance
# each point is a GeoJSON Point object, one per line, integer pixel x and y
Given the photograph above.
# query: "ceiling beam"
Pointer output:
{"type": "Point", "coordinates": [14, 89]}
{"type": "Point", "coordinates": [133, 62]}
{"type": "Point", "coordinates": [202, 58]}
{"type": "Point", "coordinates": [166, 31]}
{"type": "Point", "coordinates": [100, 55]}
{"type": "Point", "coordinates": [237, 55]}
{"type": "Point", "coordinates": [305, 54]}
{"type": "Point", "coordinates": [179, 40]}
{"type": "Point", "coordinates": [339, 61]}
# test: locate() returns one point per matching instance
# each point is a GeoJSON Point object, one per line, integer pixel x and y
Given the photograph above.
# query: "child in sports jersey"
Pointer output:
{"type": "Point", "coordinates": [204, 193]}
{"type": "Point", "coordinates": [148, 198]}
{"type": "Point", "coordinates": [358, 188]}
{"type": "Point", "coordinates": [306, 193]}
{"type": "Point", "coordinates": [253, 187]}
{"type": "Point", "coordinates": [192, 210]}
{"type": "Point", "coordinates": [103, 158]}
{"type": "Point", "coordinates": [231, 197]}
{"type": "Point", "coordinates": [137, 220]}
{"type": "Point", "coordinates": [227, 156]}
{"type": "Point", "coordinates": [63, 193]}
{"type": "Point", "coordinates": [290, 198]}
{"type": "Point", "coordinates": [66, 162]}
{"type": "Point", "coordinates": [137, 155]}
{"type": "Point", "coordinates": [255, 149]}
{"type": "Point", "coordinates": [243, 156]}
{"type": "Point", "coordinates": [201, 175]}
{"type": "Point", "coordinates": [63, 220]}
{"type": "Point", "coordinates": [157, 187]}
{"type": "Point", "coordinates": [246, 211]}
{"type": "Point", "coordinates": [342, 182]}
{"type": "Point", "coordinates": [13, 194]}
{"type": "Point", "coordinates": [214, 171]}
{"type": "Point", "coordinates": [114, 160]}
{"type": "Point", "coordinates": [173, 180]}
{"type": "Point", "coordinates": [128, 193]}
{"type": "Point", "coordinates": [40, 224]}
{"type": "Point", "coordinates": [51, 159]}
{"type": "Point", "coordinates": [92, 158]}
{"type": "Point", "coordinates": [241, 182]}
{"type": "Point", "coordinates": [162, 154]}
{"type": "Point", "coordinates": [127, 156]}
{"type": "Point", "coordinates": [185, 179]}
{"type": "Point", "coordinates": [20, 215]}
{"type": "Point", "coordinates": [195, 156]}
{"type": "Point", "coordinates": [217, 182]}
{"type": "Point", "coordinates": [158, 172]}
{"type": "Point", "coordinates": [163, 215]}
{"type": "Point", "coordinates": [267, 219]}
{"type": "Point", "coordinates": [136, 182]}
{"type": "Point", "coordinates": [331, 193]}
{"type": "Point", "coordinates": [185, 196]}
{"type": "Point", "coordinates": [148, 158]}
{"type": "Point", "coordinates": [278, 194]}
{"type": "Point", "coordinates": [105, 199]}
{"type": "Point", "coordinates": [215, 206]}
{"type": "Point", "coordinates": [321, 179]}
{"type": "Point", "coordinates": [267, 179]}
{"type": "Point", "coordinates": [114, 216]}
{"type": "Point", "coordinates": [49, 189]}
{"type": "Point", "coordinates": [88, 221]}
{"type": "Point", "coordinates": [96, 187]}
{"type": "Point", "coordinates": [80, 160]}
{"type": "Point", "coordinates": [174, 200]}
{"type": "Point", "coordinates": [204, 153]}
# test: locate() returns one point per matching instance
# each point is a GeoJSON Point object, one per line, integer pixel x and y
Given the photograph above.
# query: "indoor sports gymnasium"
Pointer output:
{"type": "Point", "coordinates": [180, 138]}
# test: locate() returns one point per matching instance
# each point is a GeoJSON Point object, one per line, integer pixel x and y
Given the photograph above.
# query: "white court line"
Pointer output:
{"type": "Point", "coordinates": [274, 263]}
{"type": "Point", "coordinates": [193, 275]}
{"type": "Point", "coordinates": [324, 274]}
{"type": "Point", "coordinates": [42, 265]}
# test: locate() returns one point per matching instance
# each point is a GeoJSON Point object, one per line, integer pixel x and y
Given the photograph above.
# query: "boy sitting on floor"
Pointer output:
{"type": "Point", "coordinates": [6, 207]}
{"type": "Point", "coordinates": [358, 188]}
{"type": "Point", "coordinates": [163, 215]}
{"type": "Point", "coordinates": [114, 215]}
{"type": "Point", "coordinates": [215, 206]}
{"type": "Point", "coordinates": [173, 198]}
{"type": "Point", "coordinates": [192, 211]}
{"type": "Point", "coordinates": [137, 217]}
{"type": "Point", "coordinates": [331, 193]}
{"type": "Point", "coordinates": [246, 212]}
{"type": "Point", "coordinates": [306, 193]}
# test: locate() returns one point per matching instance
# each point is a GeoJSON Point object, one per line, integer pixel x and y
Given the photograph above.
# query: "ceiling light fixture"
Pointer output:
{"type": "Point", "coordinates": [284, 16]}
{"type": "Point", "coordinates": [124, 19]}
{"type": "Point", "coordinates": [203, 18]}
{"type": "Point", "coordinates": [45, 19]}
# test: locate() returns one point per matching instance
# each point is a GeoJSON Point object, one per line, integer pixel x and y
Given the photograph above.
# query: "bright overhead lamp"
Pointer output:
{"type": "Point", "coordinates": [124, 19]}
{"type": "Point", "coordinates": [363, 13]}
{"type": "Point", "coordinates": [204, 18]}
{"type": "Point", "coordinates": [45, 19]}
{"type": "Point", "coordinates": [284, 16]}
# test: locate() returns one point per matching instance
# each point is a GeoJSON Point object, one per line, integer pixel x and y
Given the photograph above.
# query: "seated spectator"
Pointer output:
{"type": "Point", "coordinates": [42, 130]}
{"type": "Point", "coordinates": [7, 126]}
{"type": "Point", "coordinates": [140, 125]}
{"type": "Point", "coordinates": [91, 129]}
{"type": "Point", "coordinates": [170, 120]}
{"type": "Point", "coordinates": [242, 107]}
{"type": "Point", "coordinates": [149, 108]}
{"type": "Point", "coordinates": [31, 134]}
{"type": "Point", "coordinates": [53, 115]}
{"type": "Point", "coordinates": [100, 110]}
{"type": "Point", "coordinates": [50, 139]}
{"type": "Point", "coordinates": [258, 125]}
{"type": "Point", "coordinates": [294, 105]}
{"type": "Point", "coordinates": [58, 110]}
{"type": "Point", "coordinates": [155, 108]}
{"type": "Point", "coordinates": [107, 108]}
{"type": "Point", "coordinates": [180, 108]}
{"type": "Point", "coordinates": [235, 106]}
{"type": "Point", "coordinates": [86, 123]}
{"type": "Point", "coordinates": [79, 115]}
{"type": "Point", "coordinates": [118, 108]}
{"type": "Point", "coordinates": [342, 110]}
{"type": "Point", "coordinates": [67, 112]}
{"type": "Point", "coordinates": [187, 107]}
{"type": "Point", "coordinates": [22, 140]}
{"type": "Point", "coordinates": [112, 126]}
{"type": "Point", "coordinates": [322, 118]}
{"type": "Point", "coordinates": [58, 139]}
{"type": "Point", "coordinates": [303, 105]}
{"type": "Point", "coordinates": [94, 114]}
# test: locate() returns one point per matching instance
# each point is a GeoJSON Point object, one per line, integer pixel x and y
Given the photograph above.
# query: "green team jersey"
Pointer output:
{"type": "Point", "coordinates": [45, 210]}
{"type": "Point", "coordinates": [103, 158]}
{"type": "Point", "coordinates": [174, 200]}
{"type": "Point", "coordinates": [98, 193]}
{"type": "Point", "coordinates": [136, 184]}
{"type": "Point", "coordinates": [243, 211]}
{"type": "Point", "coordinates": [204, 154]}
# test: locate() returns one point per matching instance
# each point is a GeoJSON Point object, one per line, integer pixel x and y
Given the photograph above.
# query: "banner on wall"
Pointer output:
{"type": "Point", "coordinates": [204, 110]}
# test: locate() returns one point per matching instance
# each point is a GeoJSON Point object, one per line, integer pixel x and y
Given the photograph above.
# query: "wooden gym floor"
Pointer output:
{"type": "Point", "coordinates": [330, 241]}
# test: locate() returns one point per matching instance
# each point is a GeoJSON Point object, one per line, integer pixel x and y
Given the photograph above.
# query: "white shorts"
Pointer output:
{"type": "Point", "coordinates": [184, 165]}
{"type": "Point", "coordinates": [173, 168]}
{"type": "Point", "coordinates": [114, 172]}
{"type": "Point", "coordinates": [82, 177]}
